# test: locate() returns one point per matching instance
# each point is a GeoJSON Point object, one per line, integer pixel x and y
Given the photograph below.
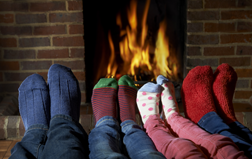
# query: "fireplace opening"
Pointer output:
{"type": "Point", "coordinates": [140, 38]}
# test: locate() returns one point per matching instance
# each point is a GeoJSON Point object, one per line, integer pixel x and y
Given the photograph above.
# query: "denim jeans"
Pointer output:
{"type": "Point", "coordinates": [64, 139]}
{"type": "Point", "coordinates": [212, 123]}
{"type": "Point", "coordinates": [106, 141]}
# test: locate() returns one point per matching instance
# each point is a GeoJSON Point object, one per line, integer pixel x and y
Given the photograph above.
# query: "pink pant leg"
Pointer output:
{"type": "Point", "coordinates": [214, 145]}
{"type": "Point", "coordinates": [168, 145]}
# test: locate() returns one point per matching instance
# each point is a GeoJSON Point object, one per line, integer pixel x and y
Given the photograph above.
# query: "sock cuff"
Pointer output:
{"type": "Point", "coordinates": [106, 82]}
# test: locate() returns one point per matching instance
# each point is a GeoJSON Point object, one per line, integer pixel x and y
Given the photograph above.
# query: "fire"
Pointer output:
{"type": "Point", "coordinates": [134, 47]}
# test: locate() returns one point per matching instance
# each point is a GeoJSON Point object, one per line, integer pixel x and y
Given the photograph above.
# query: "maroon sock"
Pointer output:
{"type": "Point", "coordinates": [197, 93]}
{"type": "Point", "coordinates": [127, 98]}
{"type": "Point", "coordinates": [104, 98]}
{"type": "Point", "coordinates": [225, 79]}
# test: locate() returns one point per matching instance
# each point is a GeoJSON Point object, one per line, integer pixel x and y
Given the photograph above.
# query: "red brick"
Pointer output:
{"type": "Point", "coordinates": [77, 64]}
{"type": "Point", "coordinates": [35, 65]}
{"type": "Point", "coordinates": [244, 50]}
{"type": "Point", "coordinates": [194, 4]}
{"type": "Point", "coordinates": [6, 18]}
{"type": "Point", "coordinates": [220, 4]}
{"type": "Point", "coordinates": [47, 6]}
{"type": "Point", "coordinates": [66, 17]}
{"type": "Point", "coordinates": [236, 14]}
{"type": "Point", "coordinates": [242, 94]}
{"type": "Point", "coordinates": [68, 41]}
{"type": "Point", "coordinates": [244, 3]}
{"type": "Point", "coordinates": [242, 83]}
{"type": "Point", "coordinates": [19, 54]}
{"type": "Point", "coordinates": [21, 127]}
{"type": "Point", "coordinates": [201, 62]}
{"type": "Point", "coordinates": [9, 65]}
{"type": "Point", "coordinates": [83, 97]}
{"type": "Point", "coordinates": [193, 51]}
{"type": "Point", "coordinates": [43, 74]}
{"type": "Point", "coordinates": [79, 75]}
{"type": "Point", "coordinates": [30, 18]}
{"type": "Point", "coordinates": [244, 72]}
{"type": "Point", "coordinates": [203, 15]}
{"type": "Point", "coordinates": [8, 42]}
{"type": "Point", "coordinates": [219, 27]}
{"type": "Point", "coordinates": [48, 30]}
{"type": "Point", "coordinates": [15, 30]}
{"type": "Point", "coordinates": [194, 27]}
{"type": "Point", "coordinates": [82, 85]}
{"type": "Point", "coordinates": [57, 53]}
{"type": "Point", "coordinates": [218, 51]}
{"type": "Point", "coordinates": [34, 42]}
{"type": "Point", "coordinates": [13, 6]}
{"type": "Point", "coordinates": [75, 5]}
{"type": "Point", "coordinates": [1, 76]}
{"type": "Point", "coordinates": [16, 76]}
{"type": "Point", "coordinates": [236, 61]}
{"type": "Point", "coordinates": [77, 53]}
{"type": "Point", "coordinates": [251, 87]}
{"type": "Point", "coordinates": [235, 38]}
{"type": "Point", "coordinates": [9, 87]}
{"type": "Point", "coordinates": [244, 26]}
{"type": "Point", "coordinates": [203, 39]}
{"type": "Point", "coordinates": [76, 29]}
{"type": "Point", "coordinates": [2, 124]}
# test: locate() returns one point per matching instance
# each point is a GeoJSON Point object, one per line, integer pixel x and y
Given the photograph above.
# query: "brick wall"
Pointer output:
{"type": "Point", "coordinates": [36, 34]}
{"type": "Point", "coordinates": [220, 31]}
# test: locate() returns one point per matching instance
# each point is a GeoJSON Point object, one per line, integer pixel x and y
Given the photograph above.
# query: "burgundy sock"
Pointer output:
{"type": "Point", "coordinates": [223, 88]}
{"type": "Point", "coordinates": [104, 98]}
{"type": "Point", "coordinates": [127, 98]}
{"type": "Point", "coordinates": [197, 94]}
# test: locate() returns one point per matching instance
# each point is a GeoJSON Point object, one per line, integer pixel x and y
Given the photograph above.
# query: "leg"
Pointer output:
{"type": "Point", "coordinates": [147, 100]}
{"type": "Point", "coordinates": [66, 137]}
{"type": "Point", "coordinates": [34, 108]}
{"type": "Point", "coordinates": [137, 143]}
{"type": "Point", "coordinates": [104, 139]}
{"type": "Point", "coordinates": [199, 104]}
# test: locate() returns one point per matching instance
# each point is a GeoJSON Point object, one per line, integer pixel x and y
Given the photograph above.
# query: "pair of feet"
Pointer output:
{"type": "Point", "coordinates": [149, 95]}
{"type": "Point", "coordinates": [204, 91]}
{"type": "Point", "coordinates": [39, 101]}
{"type": "Point", "coordinates": [105, 94]}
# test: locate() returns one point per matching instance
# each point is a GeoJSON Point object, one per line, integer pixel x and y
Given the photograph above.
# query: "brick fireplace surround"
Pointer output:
{"type": "Point", "coordinates": [36, 34]}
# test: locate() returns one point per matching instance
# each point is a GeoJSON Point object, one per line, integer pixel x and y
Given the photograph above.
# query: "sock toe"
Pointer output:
{"type": "Point", "coordinates": [161, 80]}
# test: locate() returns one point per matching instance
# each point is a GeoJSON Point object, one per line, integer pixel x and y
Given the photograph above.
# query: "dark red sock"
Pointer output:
{"type": "Point", "coordinates": [127, 98]}
{"type": "Point", "coordinates": [104, 98]}
{"type": "Point", "coordinates": [225, 79]}
{"type": "Point", "coordinates": [197, 93]}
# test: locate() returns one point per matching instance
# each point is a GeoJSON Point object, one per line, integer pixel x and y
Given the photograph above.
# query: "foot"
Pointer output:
{"type": "Point", "coordinates": [34, 101]}
{"type": "Point", "coordinates": [64, 92]}
{"type": "Point", "coordinates": [168, 98]}
{"type": "Point", "coordinates": [104, 98]}
{"type": "Point", "coordinates": [197, 93]}
{"type": "Point", "coordinates": [127, 98]}
{"type": "Point", "coordinates": [148, 97]}
{"type": "Point", "coordinates": [225, 79]}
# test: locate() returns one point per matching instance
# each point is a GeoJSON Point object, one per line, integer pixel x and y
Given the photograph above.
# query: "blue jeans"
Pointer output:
{"type": "Point", "coordinates": [212, 123]}
{"type": "Point", "coordinates": [64, 139]}
{"type": "Point", "coordinates": [105, 141]}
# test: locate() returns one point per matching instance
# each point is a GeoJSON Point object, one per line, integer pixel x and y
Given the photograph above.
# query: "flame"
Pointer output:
{"type": "Point", "coordinates": [134, 47]}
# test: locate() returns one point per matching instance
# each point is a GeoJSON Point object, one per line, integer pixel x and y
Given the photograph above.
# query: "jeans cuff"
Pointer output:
{"type": "Point", "coordinates": [106, 120]}
{"type": "Point", "coordinates": [206, 116]}
{"type": "Point", "coordinates": [67, 117]}
{"type": "Point", "coordinates": [128, 124]}
{"type": "Point", "coordinates": [38, 127]}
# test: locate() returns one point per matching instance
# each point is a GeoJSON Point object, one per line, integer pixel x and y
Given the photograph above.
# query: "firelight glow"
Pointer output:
{"type": "Point", "coordinates": [135, 52]}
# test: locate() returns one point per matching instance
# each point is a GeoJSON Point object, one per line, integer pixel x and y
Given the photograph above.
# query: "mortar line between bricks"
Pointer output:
{"type": "Point", "coordinates": [217, 9]}
{"type": "Point", "coordinates": [219, 21]}
{"type": "Point", "coordinates": [221, 33]}
{"type": "Point", "coordinates": [41, 24]}
{"type": "Point", "coordinates": [41, 12]}
{"type": "Point", "coordinates": [44, 48]}
{"type": "Point", "coordinates": [221, 45]}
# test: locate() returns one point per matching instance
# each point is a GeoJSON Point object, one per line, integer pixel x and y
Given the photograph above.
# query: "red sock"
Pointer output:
{"type": "Point", "coordinates": [127, 98]}
{"type": "Point", "coordinates": [196, 93]}
{"type": "Point", "coordinates": [104, 98]}
{"type": "Point", "coordinates": [223, 88]}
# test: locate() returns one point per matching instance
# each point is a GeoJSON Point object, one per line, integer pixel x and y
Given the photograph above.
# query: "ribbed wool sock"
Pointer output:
{"type": "Point", "coordinates": [34, 101]}
{"type": "Point", "coordinates": [197, 94]}
{"type": "Point", "coordinates": [148, 97]}
{"type": "Point", "coordinates": [64, 91]}
{"type": "Point", "coordinates": [104, 98]}
{"type": "Point", "coordinates": [168, 98]}
{"type": "Point", "coordinates": [127, 98]}
{"type": "Point", "coordinates": [225, 79]}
